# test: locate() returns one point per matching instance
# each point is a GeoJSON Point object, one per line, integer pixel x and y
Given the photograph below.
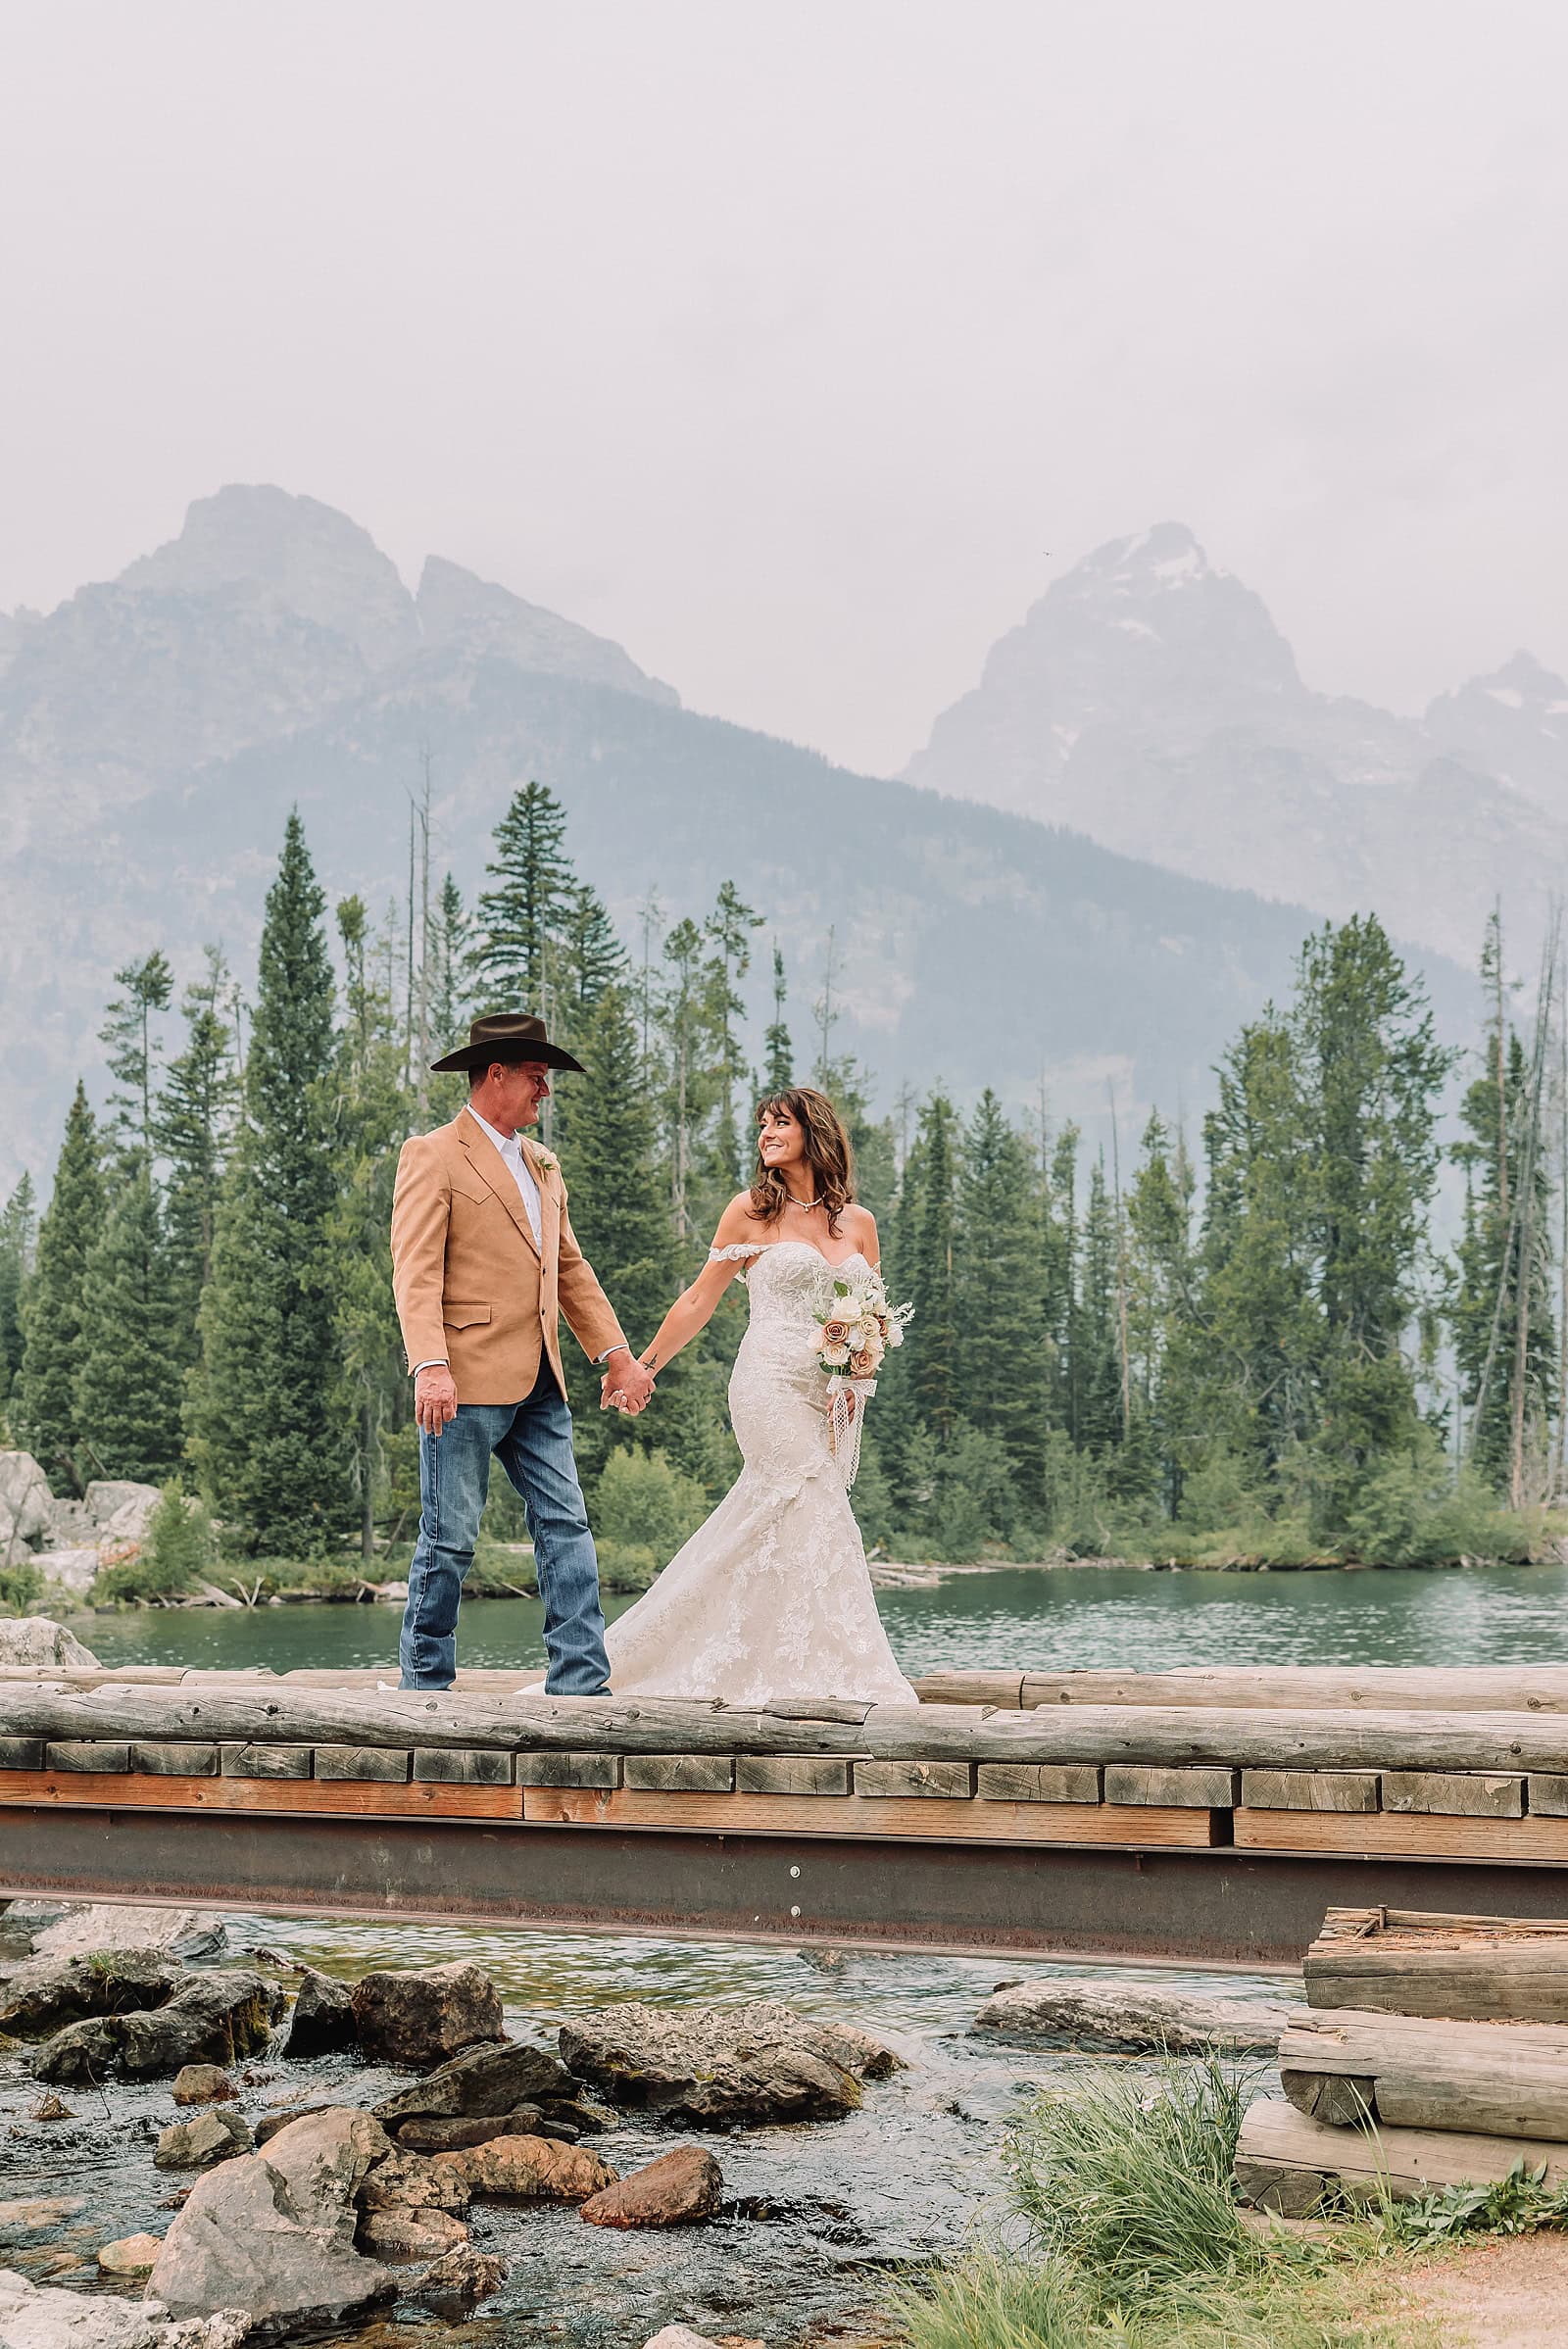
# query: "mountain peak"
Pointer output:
{"type": "Point", "coordinates": [457, 606]}
{"type": "Point", "coordinates": [308, 557]}
{"type": "Point", "coordinates": [1164, 557]}
{"type": "Point", "coordinates": [1513, 723]}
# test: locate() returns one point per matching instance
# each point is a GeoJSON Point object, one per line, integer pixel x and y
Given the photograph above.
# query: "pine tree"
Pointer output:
{"type": "Point", "coordinates": [1058, 1264]}
{"type": "Point", "coordinates": [129, 1377]}
{"type": "Point", "coordinates": [132, 1051]}
{"type": "Point", "coordinates": [266, 1433]}
{"type": "Point", "coordinates": [998, 1303]}
{"type": "Point", "coordinates": [931, 1284]}
{"type": "Point", "coordinates": [371, 1114]}
{"type": "Point", "coordinates": [778, 1053]}
{"type": "Point", "coordinates": [1163, 1311]}
{"type": "Point", "coordinates": [727, 930]}
{"type": "Point", "coordinates": [57, 1308]}
{"type": "Point", "coordinates": [19, 1235]}
{"type": "Point", "coordinates": [192, 1127]}
{"type": "Point", "coordinates": [1099, 1342]}
{"type": "Point", "coordinates": [520, 920]}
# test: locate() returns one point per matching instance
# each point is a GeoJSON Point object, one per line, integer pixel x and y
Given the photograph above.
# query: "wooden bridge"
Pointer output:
{"type": "Point", "coordinates": [1206, 1817]}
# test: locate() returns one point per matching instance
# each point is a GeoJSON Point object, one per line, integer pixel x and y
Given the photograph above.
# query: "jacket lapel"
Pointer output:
{"type": "Point", "coordinates": [549, 1201]}
{"type": "Point", "coordinates": [493, 1171]}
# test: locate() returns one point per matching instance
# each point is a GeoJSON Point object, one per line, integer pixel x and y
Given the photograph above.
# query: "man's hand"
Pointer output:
{"type": "Point", "coordinates": [627, 1384]}
{"type": "Point", "coordinates": [435, 1397]}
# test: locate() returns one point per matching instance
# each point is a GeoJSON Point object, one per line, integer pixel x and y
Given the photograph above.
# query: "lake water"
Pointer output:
{"type": "Point", "coordinates": [906, 2178]}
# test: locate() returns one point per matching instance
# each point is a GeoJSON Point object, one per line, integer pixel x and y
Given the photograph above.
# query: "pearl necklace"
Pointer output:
{"type": "Point", "coordinates": [808, 1204]}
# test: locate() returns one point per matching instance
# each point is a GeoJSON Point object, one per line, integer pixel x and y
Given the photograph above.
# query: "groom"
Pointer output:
{"type": "Point", "coordinates": [484, 1261]}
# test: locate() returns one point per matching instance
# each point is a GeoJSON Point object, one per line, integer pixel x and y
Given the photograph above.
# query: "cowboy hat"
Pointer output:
{"type": "Point", "coordinates": [507, 1036]}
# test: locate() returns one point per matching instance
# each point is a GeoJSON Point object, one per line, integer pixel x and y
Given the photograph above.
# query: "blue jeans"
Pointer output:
{"type": "Point", "coordinates": [533, 1440]}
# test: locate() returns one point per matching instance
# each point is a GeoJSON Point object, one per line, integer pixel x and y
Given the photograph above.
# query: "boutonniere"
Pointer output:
{"type": "Point", "coordinates": [547, 1162]}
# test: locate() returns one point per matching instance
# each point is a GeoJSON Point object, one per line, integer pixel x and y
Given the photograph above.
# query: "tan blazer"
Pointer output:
{"type": "Point", "coordinates": [471, 1288]}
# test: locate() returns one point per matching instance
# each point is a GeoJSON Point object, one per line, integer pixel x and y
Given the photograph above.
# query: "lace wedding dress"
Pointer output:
{"type": "Point", "coordinates": [772, 1597]}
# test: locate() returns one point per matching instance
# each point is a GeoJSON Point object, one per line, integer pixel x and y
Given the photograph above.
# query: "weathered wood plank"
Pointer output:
{"type": "Point", "coordinates": [1039, 1782]}
{"type": "Point", "coordinates": [1491, 2078]}
{"type": "Point", "coordinates": [336, 1798]}
{"type": "Point", "coordinates": [1283, 2159]}
{"type": "Point", "coordinates": [1131, 1828]}
{"type": "Point", "coordinates": [1310, 1789]}
{"type": "Point", "coordinates": [680, 1773]}
{"type": "Point", "coordinates": [1548, 1794]}
{"type": "Point", "coordinates": [1312, 1687]}
{"type": "Point", "coordinates": [21, 1753]}
{"type": "Point", "coordinates": [191, 1758]}
{"type": "Point", "coordinates": [945, 1780]}
{"type": "Point", "coordinates": [568, 1770]}
{"type": "Point", "coordinates": [448, 1766]}
{"type": "Point", "coordinates": [790, 1774]}
{"type": "Point", "coordinates": [1463, 1794]}
{"type": "Point", "coordinates": [389, 1763]}
{"type": "Point", "coordinates": [1420, 1835]}
{"type": "Point", "coordinates": [1467, 1969]}
{"type": "Point", "coordinates": [1189, 1790]}
{"type": "Point", "coordinates": [1172, 1737]}
{"type": "Point", "coordinates": [96, 1754]}
{"type": "Point", "coordinates": [245, 1757]}
{"type": "Point", "coordinates": [971, 1687]}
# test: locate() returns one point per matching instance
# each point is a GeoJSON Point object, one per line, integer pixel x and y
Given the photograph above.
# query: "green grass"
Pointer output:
{"type": "Point", "coordinates": [1122, 2230]}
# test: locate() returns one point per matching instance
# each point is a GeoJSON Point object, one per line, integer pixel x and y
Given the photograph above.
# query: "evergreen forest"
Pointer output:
{"type": "Point", "coordinates": [1243, 1345]}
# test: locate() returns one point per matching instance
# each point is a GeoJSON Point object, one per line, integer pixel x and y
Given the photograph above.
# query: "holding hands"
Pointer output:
{"type": "Point", "coordinates": [627, 1383]}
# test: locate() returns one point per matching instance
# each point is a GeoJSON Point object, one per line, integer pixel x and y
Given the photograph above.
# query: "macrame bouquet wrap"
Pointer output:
{"type": "Point", "coordinates": [859, 1328]}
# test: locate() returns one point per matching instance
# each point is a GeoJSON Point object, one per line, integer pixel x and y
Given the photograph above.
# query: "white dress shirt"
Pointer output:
{"type": "Point", "coordinates": [522, 1175]}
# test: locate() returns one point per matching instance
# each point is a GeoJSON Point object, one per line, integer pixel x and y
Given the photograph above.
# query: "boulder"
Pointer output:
{"type": "Point", "coordinates": [202, 2084]}
{"type": "Point", "coordinates": [36, 2214]}
{"type": "Point", "coordinates": [676, 2191]}
{"type": "Point", "coordinates": [273, 2232]}
{"type": "Point", "coordinates": [71, 1522]}
{"type": "Point", "coordinates": [527, 2169]}
{"type": "Point", "coordinates": [215, 2134]}
{"type": "Point", "coordinates": [269, 2128]}
{"type": "Point", "coordinates": [1130, 2018]}
{"type": "Point", "coordinates": [712, 2066]}
{"type": "Point", "coordinates": [74, 1571]}
{"type": "Point", "coordinates": [45, 1994]}
{"type": "Point", "coordinates": [459, 2279]}
{"type": "Point", "coordinates": [112, 1924]}
{"type": "Point", "coordinates": [25, 1500]}
{"type": "Point", "coordinates": [395, 2234]}
{"type": "Point", "coordinates": [323, 2021]}
{"type": "Point", "coordinates": [408, 2182]}
{"type": "Point", "coordinates": [482, 2082]}
{"type": "Point", "coordinates": [121, 1507]}
{"type": "Point", "coordinates": [33, 2317]}
{"type": "Point", "coordinates": [133, 2255]}
{"type": "Point", "coordinates": [210, 2018]}
{"type": "Point", "coordinates": [453, 2137]}
{"type": "Point", "coordinates": [34, 1640]}
{"type": "Point", "coordinates": [423, 2018]}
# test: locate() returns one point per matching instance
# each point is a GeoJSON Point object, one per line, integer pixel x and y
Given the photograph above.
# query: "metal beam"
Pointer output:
{"type": "Point", "coordinates": [1218, 1908]}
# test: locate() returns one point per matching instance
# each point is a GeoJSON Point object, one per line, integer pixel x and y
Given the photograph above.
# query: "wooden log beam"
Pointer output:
{"type": "Point", "coordinates": [1300, 1687]}
{"type": "Point", "coordinates": [1166, 1737]}
{"type": "Point", "coordinates": [1469, 1969]}
{"type": "Point", "coordinates": [1501, 2079]}
{"type": "Point", "coordinates": [1284, 2160]}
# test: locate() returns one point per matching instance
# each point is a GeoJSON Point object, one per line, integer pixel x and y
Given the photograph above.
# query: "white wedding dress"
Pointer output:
{"type": "Point", "coordinates": [772, 1597]}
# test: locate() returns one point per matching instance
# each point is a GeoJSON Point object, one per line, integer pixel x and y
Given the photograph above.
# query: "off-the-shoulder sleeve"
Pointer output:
{"type": "Point", "coordinates": [733, 1255]}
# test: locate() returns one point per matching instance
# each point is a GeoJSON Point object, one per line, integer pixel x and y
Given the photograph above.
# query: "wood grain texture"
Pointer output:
{"type": "Point", "coordinates": [1548, 1794]}
{"type": "Point", "coordinates": [244, 1757]}
{"type": "Point", "coordinates": [1311, 1687]}
{"type": "Point", "coordinates": [810, 1815]}
{"type": "Point", "coordinates": [1420, 1835]}
{"type": "Point", "coordinates": [1496, 1969]}
{"type": "Point", "coordinates": [22, 1753]}
{"type": "Point", "coordinates": [1465, 1794]}
{"type": "Point", "coordinates": [1283, 2159]}
{"type": "Point", "coordinates": [942, 1782]}
{"type": "Point", "coordinates": [333, 1798]}
{"type": "Point", "coordinates": [971, 1687]}
{"type": "Point", "coordinates": [189, 1759]}
{"type": "Point", "coordinates": [600, 1770]}
{"type": "Point", "coordinates": [680, 1773]}
{"type": "Point", "coordinates": [790, 1774]}
{"type": "Point", "coordinates": [1310, 1789]}
{"type": "Point", "coordinates": [1186, 1789]}
{"type": "Point", "coordinates": [448, 1766]}
{"type": "Point", "coordinates": [93, 1754]}
{"type": "Point", "coordinates": [1491, 2078]}
{"type": "Point", "coordinates": [1039, 1782]}
{"type": "Point", "coordinates": [388, 1763]}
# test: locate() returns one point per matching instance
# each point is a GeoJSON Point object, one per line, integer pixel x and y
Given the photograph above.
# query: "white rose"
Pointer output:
{"type": "Point", "coordinates": [895, 1333]}
{"type": "Point", "coordinates": [835, 1357]}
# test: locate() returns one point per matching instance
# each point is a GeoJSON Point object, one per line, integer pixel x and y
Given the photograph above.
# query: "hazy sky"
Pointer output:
{"type": "Point", "coordinates": [800, 346]}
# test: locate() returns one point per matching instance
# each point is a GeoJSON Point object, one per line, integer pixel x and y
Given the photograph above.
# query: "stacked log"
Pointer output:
{"type": "Point", "coordinates": [1433, 2052]}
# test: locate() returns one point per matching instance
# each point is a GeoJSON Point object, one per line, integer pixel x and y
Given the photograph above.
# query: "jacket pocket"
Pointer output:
{"type": "Point", "coordinates": [463, 1317]}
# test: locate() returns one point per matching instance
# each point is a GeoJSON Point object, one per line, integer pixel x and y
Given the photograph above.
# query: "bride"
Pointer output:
{"type": "Point", "coordinates": [772, 1597]}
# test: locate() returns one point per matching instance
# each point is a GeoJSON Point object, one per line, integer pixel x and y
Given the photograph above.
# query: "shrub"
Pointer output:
{"type": "Point", "coordinates": [177, 1551]}
{"type": "Point", "coordinates": [643, 1501]}
{"type": "Point", "coordinates": [626, 1567]}
{"type": "Point", "coordinates": [20, 1588]}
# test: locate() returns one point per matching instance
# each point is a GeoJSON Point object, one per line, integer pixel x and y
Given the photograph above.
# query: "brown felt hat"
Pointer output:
{"type": "Point", "coordinates": [508, 1036]}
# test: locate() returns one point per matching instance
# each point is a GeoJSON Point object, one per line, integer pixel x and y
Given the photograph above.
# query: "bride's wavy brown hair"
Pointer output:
{"type": "Point", "coordinates": [829, 1154]}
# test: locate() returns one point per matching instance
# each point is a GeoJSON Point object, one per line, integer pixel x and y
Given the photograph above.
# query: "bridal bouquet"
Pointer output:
{"type": "Point", "coordinates": [859, 1328]}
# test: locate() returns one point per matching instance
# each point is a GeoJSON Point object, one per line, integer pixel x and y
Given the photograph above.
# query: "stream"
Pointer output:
{"type": "Point", "coordinates": [906, 2178]}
